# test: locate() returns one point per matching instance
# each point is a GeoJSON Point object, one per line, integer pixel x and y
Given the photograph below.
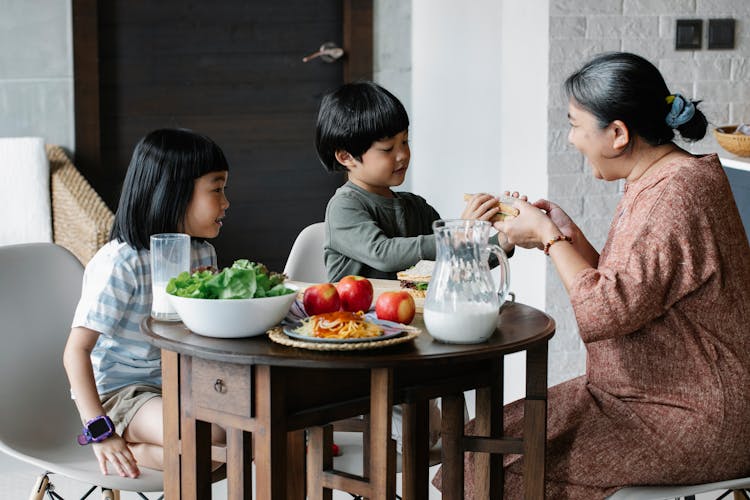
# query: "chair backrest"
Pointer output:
{"type": "Point", "coordinates": [305, 262]}
{"type": "Point", "coordinates": [40, 285]}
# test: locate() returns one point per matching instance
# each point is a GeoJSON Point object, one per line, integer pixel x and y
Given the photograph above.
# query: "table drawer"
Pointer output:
{"type": "Point", "coordinates": [224, 387]}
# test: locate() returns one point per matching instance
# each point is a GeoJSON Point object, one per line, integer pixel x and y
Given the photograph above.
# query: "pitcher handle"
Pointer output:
{"type": "Point", "coordinates": [504, 286]}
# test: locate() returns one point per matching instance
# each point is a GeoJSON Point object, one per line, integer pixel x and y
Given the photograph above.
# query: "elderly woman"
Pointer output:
{"type": "Point", "coordinates": [663, 311]}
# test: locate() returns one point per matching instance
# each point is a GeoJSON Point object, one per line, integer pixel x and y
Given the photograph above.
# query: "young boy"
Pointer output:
{"type": "Point", "coordinates": [371, 231]}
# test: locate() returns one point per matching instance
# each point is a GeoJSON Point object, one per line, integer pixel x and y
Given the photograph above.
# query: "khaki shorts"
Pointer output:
{"type": "Point", "coordinates": [122, 405]}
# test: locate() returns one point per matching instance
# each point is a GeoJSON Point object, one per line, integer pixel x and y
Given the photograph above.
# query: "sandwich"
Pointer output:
{"type": "Point", "coordinates": [506, 208]}
{"type": "Point", "coordinates": [416, 279]}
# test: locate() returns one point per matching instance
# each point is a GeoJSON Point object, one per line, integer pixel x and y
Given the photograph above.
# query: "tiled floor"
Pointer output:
{"type": "Point", "coordinates": [17, 479]}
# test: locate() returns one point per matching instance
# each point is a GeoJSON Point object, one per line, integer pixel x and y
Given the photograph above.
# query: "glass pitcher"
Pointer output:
{"type": "Point", "coordinates": [462, 303]}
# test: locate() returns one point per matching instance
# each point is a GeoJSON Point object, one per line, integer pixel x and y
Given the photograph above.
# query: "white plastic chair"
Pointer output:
{"type": "Point", "coordinates": [40, 287]}
{"type": "Point", "coordinates": [739, 488]}
{"type": "Point", "coordinates": [305, 262]}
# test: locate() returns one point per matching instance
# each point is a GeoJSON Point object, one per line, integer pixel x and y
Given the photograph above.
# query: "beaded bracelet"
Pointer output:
{"type": "Point", "coordinates": [551, 242]}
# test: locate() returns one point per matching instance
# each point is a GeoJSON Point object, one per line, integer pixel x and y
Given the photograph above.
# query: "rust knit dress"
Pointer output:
{"type": "Point", "coordinates": [665, 318]}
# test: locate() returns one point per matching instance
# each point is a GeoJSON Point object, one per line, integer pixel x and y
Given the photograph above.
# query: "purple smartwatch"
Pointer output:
{"type": "Point", "coordinates": [97, 429]}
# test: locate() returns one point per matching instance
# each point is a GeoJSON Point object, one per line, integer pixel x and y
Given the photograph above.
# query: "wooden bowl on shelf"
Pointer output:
{"type": "Point", "coordinates": [738, 144]}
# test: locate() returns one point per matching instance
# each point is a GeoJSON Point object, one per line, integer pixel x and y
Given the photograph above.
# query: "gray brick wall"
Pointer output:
{"type": "Point", "coordinates": [36, 70]}
{"type": "Point", "coordinates": [578, 30]}
{"type": "Point", "coordinates": [392, 47]}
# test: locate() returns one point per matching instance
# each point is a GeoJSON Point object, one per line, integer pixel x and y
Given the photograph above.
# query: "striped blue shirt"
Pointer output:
{"type": "Point", "coordinates": [115, 297]}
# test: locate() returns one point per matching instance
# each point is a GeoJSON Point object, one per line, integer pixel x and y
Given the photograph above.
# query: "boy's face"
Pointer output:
{"type": "Point", "coordinates": [382, 166]}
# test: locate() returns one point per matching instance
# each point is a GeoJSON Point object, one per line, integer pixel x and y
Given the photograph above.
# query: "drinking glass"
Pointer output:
{"type": "Point", "coordinates": [170, 255]}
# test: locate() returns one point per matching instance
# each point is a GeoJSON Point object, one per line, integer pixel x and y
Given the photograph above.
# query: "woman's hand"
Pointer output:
{"type": "Point", "coordinates": [562, 220]}
{"type": "Point", "coordinates": [531, 228]}
{"type": "Point", "coordinates": [115, 450]}
{"type": "Point", "coordinates": [481, 206]}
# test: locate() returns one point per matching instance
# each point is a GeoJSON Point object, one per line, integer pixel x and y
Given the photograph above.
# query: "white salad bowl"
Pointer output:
{"type": "Point", "coordinates": [232, 318]}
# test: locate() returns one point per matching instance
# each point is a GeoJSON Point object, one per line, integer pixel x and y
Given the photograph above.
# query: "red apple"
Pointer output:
{"type": "Point", "coordinates": [355, 293]}
{"type": "Point", "coordinates": [396, 306]}
{"type": "Point", "coordinates": [319, 299]}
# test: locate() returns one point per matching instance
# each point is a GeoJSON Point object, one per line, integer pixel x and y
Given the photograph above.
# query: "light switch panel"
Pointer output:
{"type": "Point", "coordinates": [688, 34]}
{"type": "Point", "coordinates": [721, 33]}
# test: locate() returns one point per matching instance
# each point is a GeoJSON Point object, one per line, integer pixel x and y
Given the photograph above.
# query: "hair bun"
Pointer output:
{"type": "Point", "coordinates": [681, 112]}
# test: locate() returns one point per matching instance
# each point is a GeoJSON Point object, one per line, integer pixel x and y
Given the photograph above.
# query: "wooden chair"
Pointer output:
{"type": "Point", "coordinates": [305, 263]}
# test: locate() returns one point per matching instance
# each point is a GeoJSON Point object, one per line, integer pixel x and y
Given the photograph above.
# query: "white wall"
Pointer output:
{"type": "Point", "coordinates": [474, 128]}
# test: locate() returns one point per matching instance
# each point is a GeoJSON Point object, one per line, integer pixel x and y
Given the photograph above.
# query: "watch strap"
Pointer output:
{"type": "Point", "coordinates": [83, 439]}
{"type": "Point", "coordinates": [86, 436]}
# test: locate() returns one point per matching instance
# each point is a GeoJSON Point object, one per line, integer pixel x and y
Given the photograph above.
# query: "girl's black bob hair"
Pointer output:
{"type": "Point", "coordinates": [159, 183]}
{"type": "Point", "coordinates": [353, 117]}
{"type": "Point", "coordinates": [624, 86]}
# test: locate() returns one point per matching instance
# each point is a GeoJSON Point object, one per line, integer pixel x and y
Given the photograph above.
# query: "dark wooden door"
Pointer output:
{"type": "Point", "coordinates": [232, 70]}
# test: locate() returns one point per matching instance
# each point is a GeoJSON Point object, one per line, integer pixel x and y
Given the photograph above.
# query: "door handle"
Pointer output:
{"type": "Point", "coordinates": [328, 52]}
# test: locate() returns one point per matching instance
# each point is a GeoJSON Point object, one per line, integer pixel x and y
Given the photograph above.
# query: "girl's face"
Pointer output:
{"type": "Point", "coordinates": [382, 166]}
{"type": "Point", "coordinates": [594, 142]}
{"type": "Point", "coordinates": [208, 206]}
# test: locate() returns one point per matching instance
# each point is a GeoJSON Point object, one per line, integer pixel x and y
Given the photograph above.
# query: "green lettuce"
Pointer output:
{"type": "Point", "coordinates": [243, 280]}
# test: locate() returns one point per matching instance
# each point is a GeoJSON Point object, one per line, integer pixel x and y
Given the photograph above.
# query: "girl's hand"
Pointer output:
{"type": "Point", "coordinates": [562, 220]}
{"type": "Point", "coordinates": [115, 450]}
{"type": "Point", "coordinates": [481, 206]}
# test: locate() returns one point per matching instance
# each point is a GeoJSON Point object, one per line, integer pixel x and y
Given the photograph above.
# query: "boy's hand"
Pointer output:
{"type": "Point", "coordinates": [115, 450]}
{"type": "Point", "coordinates": [481, 206]}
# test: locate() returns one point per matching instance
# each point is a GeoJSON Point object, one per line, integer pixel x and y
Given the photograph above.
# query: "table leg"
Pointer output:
{"type": "Point", "coordinates": [535, 422]}
{"type": "Point", "coordinates": [319, 458]}
{"type": "Point", "coordinates": [170, 370]}
{"type": "Point", "coordinates": [195, 475]}
{"type": "Point", "coordinates": [239, 465]}
{"type": "Point", "coordinates": [415, 479]}
{"type": "Point", "coordinates": [270, 439]}
{"type": "Point", "coordinates": [295, 464]}
{"type": "Point", "coordinates": [489, 476]}
{"type": "Point", "coordinates": [382, 458]}
{"type": "Point", "coordinates": [452, 455]}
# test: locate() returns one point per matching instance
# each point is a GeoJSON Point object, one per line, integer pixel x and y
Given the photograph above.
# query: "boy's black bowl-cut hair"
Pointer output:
{"type": "Point", "coordinates": [353, 117]}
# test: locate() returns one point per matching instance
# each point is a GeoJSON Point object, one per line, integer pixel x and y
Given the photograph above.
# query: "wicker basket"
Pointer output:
{"type": "Point", "coordinates": [738, 144]}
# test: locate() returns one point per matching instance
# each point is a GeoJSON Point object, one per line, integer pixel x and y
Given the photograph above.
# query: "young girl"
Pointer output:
{"type": "Point", "coordinates": [175, 183]}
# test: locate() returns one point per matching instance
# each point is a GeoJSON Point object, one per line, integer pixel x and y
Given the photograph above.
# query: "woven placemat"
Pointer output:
{"type": "Point", "coordinates": [277, 335]}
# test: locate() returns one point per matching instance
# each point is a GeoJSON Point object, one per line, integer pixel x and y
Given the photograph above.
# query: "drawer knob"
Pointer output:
{"type": "Point", "coordinates": [220, 386]}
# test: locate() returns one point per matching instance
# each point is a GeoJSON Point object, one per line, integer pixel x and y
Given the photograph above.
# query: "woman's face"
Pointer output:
{"type": "Point", "coordinates": [594, 142]}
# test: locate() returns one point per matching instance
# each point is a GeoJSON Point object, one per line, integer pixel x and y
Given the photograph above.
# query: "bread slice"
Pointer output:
{"type": "Point", "coordinates": [416, 279]}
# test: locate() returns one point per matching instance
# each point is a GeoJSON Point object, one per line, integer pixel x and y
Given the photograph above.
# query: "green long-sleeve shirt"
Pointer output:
{"type": "Point", "coordinates": [374, 236]}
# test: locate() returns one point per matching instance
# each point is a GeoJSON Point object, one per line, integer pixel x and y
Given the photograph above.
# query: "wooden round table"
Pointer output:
{"type": "Point", "coordinates": [266, 394]}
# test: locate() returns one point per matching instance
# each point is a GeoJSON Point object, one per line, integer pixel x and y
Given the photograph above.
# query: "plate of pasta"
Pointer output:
{"type": "Point", "coordinates": [342, 327]}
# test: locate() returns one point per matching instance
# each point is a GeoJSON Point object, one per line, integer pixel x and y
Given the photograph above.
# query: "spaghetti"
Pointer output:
{"type": "Point", "coordinates": [339, 325]}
